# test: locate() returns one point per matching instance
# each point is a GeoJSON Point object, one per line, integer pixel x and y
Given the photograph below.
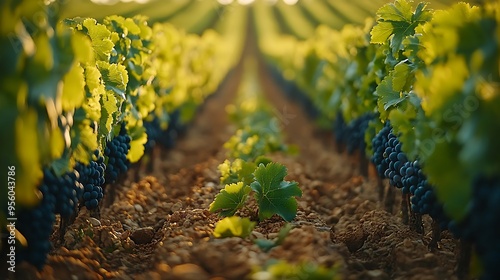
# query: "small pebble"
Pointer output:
{"type": "Point", "coordinates": [95, 222]}
{"type": "Point", "coordinates": [142, 235]}
{"type": "Point", "coordinates": [138, 207]}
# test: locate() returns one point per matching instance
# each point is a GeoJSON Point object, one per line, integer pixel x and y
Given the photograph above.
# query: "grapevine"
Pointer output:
{"type": "Point", "coordinates": [379, 144]}
{"type": "Point", "coordinates": [116, 152]}
{"type": "Point", "coordinates": [92, 179]}
{"type": "Point", "coordinates": [63, 109]}
{"type": "Point", "coordinates": [433, 119]}
{"type": "Point", "coordinates": [248, 171]}
{"type": "Point", "coordinates": [414, 91]}
{"type": "Point", "coordinates": [36, 226]}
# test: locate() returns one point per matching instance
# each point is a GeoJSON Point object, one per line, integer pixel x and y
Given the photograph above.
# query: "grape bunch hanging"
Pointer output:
{"type": "Point", "coordinates": [116, 151]}
{"type": "Point", "coordinates": [92, 178]}
{"type": "Point", "coordinates": [60, 195]}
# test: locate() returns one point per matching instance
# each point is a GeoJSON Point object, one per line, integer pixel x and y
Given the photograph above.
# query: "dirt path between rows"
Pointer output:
{"type": "Point", "coordinates": [159, 227]}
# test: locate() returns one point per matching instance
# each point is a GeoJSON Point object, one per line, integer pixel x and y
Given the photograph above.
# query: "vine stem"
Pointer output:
{"type": "Point", "coordinates": [381, 188]}
{"type": "Point", "coordinates": [66, 222]}
{"type": "Point", "coordinates": [405, 199]}
{"type": "Point", "coordinates": [390, 199]}
{"type": "Point", "coordinates": [364, 163]}
{"type": "Point", "coordinates": [416, 223]}
{"type": "Point", "coordinates": [436, 236]}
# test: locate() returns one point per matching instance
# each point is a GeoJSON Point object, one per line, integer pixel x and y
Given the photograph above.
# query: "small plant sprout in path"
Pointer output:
{"type": "Point", "coordinates": [273, 194]}
{"type": "Point", "coordinates": [230, 199]}
{"type": "Point", "coordinates": [233, 227]}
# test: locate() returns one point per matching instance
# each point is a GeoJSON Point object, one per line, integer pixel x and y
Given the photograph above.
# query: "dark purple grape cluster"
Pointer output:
{"type": "Point", "coordinates": [153, 130]}
{"type": "Point", "coordinates": [379, 143]}
{"type": "Point", "coordinates": [394, 159]}
{"type": "Point", "coordinates": [92, 179]}
{"type": "Point", "coordinates": [423, 199]}
{"type": "Point", "coordinates": [36, 226]}
{"type": "Point", "coordinates": [407, 176]}
{"type": "Point", "coordinates": [482, 224]}
{"type": "Point", "coordinates": [353, 133]}
{"type": "Point", "coordinates": [116, 151]}
{"type": "Point", "coordinates": [339, 128]}
{"type": "Point", "coordinates": [66, 189]}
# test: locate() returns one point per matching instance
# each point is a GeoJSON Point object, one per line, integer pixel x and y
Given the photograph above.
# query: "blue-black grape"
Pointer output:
{"type": "Point", "coordinates": [175, 127]}
{"type": "Point", "coordinates": [154, 132]}
{"type": "Point", "coordinates": [423, 199]}
{"type": "Point", "coordinates": [339, 128]}
{"type": "Point", "coordinates": [92, 179]}
{"type": "Point", "coordinates": [92, 195]}
{"type": "Point", "coordinates": [482, 224]}
{"type": "Point", "coordinates": [393, 158]}
{"type": "Point", "coordinates": [352, 134]}
{"type": "Point", "coordinates": [36, 226]}
{"type": "Point", "coordinates": [66, 189]}
{"type": "Point", "coordinates": [116, 150]}
{"type": "Point", "coordinates": [379, 147]}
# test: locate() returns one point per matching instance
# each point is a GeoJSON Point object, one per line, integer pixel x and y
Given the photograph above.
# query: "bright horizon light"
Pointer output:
{"type": "Point", "coordinates": [225, 2]}
{"type": "Point", "coordinates": [221, 2]}
{"type": "Point", "coordinates": [112, 2]}
{"type": "Point", "coordinates": [245, 2]}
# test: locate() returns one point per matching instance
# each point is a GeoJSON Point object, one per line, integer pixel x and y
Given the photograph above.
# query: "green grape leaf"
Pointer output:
{"type": "Point", "coordinates": [411, 48]}
{"type": "Point", "coordinates": [132, 106]}
{"type": "Point", "coordinates": [82, 48]}
{"type": "Point", "coordinates": [101, 39]}
{"type": "Point", "coordinates": [109, 106]}
{"type": "Point", "coordinates": [146, 100]}
{"type": "Point", "coordinates": [230, 199]}
{"type": "Point", "coordinates": [401, 76]}
{"type": "Point", "coordinates": [453, 185]}
{"type": "Point", "coordinates": [245, 174]}
{"type": "Point", "coordinates": [227, 174]}
{"type": "Point", "coordinates": [381, 32]}
{"type": "Point", "coordinates": [29, 170]}
{"type": "Point", "coordinates": [84, 141]}
{"type": "Point", "coordinates": [115, 77]}
{"type": "Point", "coordinates": [139, 138]}
{"type": "Point", "coordinates": [387, 95]}
{"type": "Point", "coordinates": [399, 21]}
{"type": "Point", "coordinates": [237, 171]}
{"type": "Point", "coordinates": [73, 93]}
{"type": "Point", "coordinates": [274, 195]}
{"type": "Point", "coordinates": [400, 10]}
{"type": "Point", "coordinates": [93, 77]}
{"type": "Point", "coordinates": [262, 160]}
{"type": "Point", "coordinates": [95, 89]}
{"type": "Point", "coordinates": [233, 227]}
{"type": "Point", "coordinates": [402, 124]}
{"type": "Point", "coordinates": [56, 143]}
